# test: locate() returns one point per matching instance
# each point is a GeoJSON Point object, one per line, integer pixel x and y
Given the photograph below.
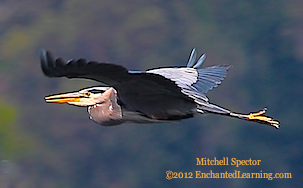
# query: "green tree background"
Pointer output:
{"type": "Point", "coordinates": [46, 145]}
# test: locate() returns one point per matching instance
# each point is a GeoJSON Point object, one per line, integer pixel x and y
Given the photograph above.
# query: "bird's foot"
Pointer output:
{"type": "Point", "coordinates": [263, 119]}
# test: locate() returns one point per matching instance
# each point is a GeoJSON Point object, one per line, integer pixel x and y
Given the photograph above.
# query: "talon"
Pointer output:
{"type": "Point", "coordinates": [263, 119]}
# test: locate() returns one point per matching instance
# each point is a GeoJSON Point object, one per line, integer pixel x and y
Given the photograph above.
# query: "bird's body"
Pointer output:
{"type": "Point", "coordinates": [152, 96]}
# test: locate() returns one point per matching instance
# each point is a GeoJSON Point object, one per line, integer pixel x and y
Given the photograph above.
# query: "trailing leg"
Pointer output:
{"type": "Point", "coordinates": [256, 117]}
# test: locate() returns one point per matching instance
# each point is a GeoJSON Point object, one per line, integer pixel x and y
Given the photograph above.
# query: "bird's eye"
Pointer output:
{"type": "Point", "coordinates": [86, 94]}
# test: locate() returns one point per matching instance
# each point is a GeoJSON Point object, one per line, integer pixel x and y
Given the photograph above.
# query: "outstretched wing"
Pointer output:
{"type": "Point", "coordinates": [109, 74]}
{"type": "Point", "coordinates": [194, 80]}
{"type": "Point", "coordinates": [151, 94]}
{"type": "Point", "coordinates": [210, 77]}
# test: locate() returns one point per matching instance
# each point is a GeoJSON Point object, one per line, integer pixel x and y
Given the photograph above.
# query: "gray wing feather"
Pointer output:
{"type": "Point", "coordinates": [193, 80]}
{"type": "Point", "coordinates": [210, 77]}
{"type": "Point", "coordinates": [200, 62]}
{"type": "Point", "coordinates": [192, 58]}
{"type": "Point", "coordinates": [135, 71]}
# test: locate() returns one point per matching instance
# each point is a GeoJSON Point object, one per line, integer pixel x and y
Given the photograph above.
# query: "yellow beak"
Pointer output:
{"type": "Point", "coordinates": [64, 98]}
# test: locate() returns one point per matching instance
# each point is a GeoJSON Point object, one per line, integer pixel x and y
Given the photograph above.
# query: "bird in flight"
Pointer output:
{"type": "Point", "coordinates": [153, 96]}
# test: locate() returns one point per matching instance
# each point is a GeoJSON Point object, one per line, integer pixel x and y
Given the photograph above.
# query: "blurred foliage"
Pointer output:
{"type": "Point", "coordinates": [57, 146]}
{"type": "Point", "coordinates": [9, 138]}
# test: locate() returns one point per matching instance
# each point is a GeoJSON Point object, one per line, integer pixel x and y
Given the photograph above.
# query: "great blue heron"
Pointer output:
{"type": "Point", "coordinates": [152, 96]}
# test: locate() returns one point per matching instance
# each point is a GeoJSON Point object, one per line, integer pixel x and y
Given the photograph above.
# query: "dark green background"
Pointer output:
{"type": "Point", "coordinates": [51, 145]}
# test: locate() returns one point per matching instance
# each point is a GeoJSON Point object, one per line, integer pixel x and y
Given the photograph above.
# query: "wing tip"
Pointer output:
{"type": "Point", "coordinates": [227, 67]}
{"type": "Point", "coordinates": [200, 62]}
{"type": "Point", "coordinates": [192, 58]}
{"type": "Point", "coordinates": [193, 62]}
{"type": "Point", "coordinates": [46, 61]}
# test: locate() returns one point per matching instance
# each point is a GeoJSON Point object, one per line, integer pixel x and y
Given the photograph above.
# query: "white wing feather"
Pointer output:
{"type": "Point", "coordinates": [193, 80]}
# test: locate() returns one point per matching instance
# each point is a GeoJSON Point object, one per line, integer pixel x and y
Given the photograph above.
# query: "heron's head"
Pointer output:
{"type": "Point", "coordinates": [84, 97]}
